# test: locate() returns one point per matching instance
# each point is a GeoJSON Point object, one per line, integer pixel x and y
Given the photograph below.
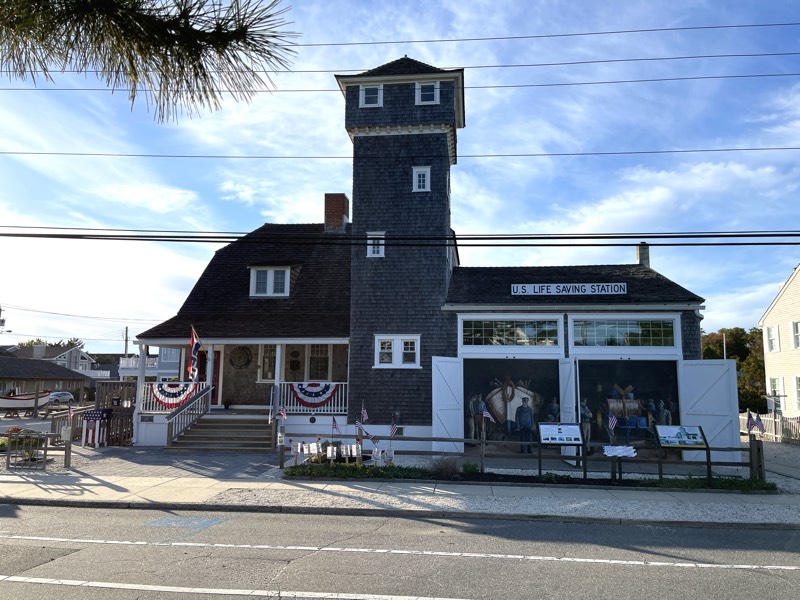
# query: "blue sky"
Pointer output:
{"type": "Point", "coordinates": [58, 289]}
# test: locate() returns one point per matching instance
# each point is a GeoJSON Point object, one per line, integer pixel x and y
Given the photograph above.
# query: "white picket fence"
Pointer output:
{"type": "Point", "coordinates": [777, 428]}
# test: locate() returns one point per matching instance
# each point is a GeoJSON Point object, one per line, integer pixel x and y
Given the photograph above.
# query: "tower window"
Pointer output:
{"type": "Point", "coordinates": [427, 93]}
{"type": "Point", "coordinates": [375, 244]}
{"type": "Point", "coordinates": [370, 96]}
{"type": "Point", "coordinates": [422, 179]}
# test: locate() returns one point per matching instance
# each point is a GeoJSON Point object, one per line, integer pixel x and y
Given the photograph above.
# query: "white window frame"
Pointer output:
{"type": "Point", "coordinates": [376, 244]}
{"type": "Point", "coordinates": [776, 393]}
{"type": "Point", "coordinates": [797, 392]}
{"type": "Point", "coordinates": [418, 92]}
{"type": "Point", "coordinates": [362, 103]}
{"type": "Point", "coordinates": [772, 341]}
{"type": "Point", "coordinates": [652, 352]}
{"type": "Point", "coordinates": [796, 335]}
{"type": "Point", "coordinates": [416, 172]}
{"type": "Point", "coordinates": [270, 293]}
{"type": "Point", "coordinates": [556, 351]}
{"type": "Point", "coordinates": [398, 345]}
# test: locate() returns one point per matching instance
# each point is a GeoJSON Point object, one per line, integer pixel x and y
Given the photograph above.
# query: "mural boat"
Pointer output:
{"type": "Point", "coordinates": [23, 401]}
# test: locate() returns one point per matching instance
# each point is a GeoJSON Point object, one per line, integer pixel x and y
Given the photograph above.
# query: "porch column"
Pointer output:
{"type": "Point", "coordinates": [140, 377]}
{"type": "Point", "coordinates": [278, 373]}
{"type": "Point", "coordinates": [210, 370]}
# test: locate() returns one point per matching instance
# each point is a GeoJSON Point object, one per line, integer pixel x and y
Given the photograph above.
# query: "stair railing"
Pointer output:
{"type": "Point", "coordinates": [187, 414]}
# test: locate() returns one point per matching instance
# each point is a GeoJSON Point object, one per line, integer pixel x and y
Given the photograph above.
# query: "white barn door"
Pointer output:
{"type": "Point", "coordinates": [709, 398]}
{"type": "Point", "coordinates": [448, 403]}
{"type": "Point", "coordinates": [569, 408]}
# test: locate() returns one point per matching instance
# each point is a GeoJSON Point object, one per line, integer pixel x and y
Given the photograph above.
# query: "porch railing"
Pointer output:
{"type": "Point", "coordinates": [188, 414]}
{"type": "Point", "coordinates": [166, 397]}
{"type": "Point", "coordinates": [323, 398]}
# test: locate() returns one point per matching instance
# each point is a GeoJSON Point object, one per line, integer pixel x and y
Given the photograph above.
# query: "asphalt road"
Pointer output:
{"type": "Point", "coordinates": [66, 553]}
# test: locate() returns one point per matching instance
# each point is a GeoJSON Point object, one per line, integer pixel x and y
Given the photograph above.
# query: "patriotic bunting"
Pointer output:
{"type": "Point", "coordinates": [172, 395]}
{"type": "Point", "coordinates": [314, 395]}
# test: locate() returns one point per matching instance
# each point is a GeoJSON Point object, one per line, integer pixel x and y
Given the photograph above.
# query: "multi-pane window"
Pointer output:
{"type": "Point", "coordinates": [268, 356]}
{"type": "Point", "coordinates": [319, 362]}
{"type": "Point", "coordinates": [386, 352]}
{"type": "Point", "coordinates": [397, 351]}
{"type": "Point", "coordinates": [796, 334]}
{"type": "Point", "coordinates": [375, 244]}
{"type": "Point", "coordinates": [624, 332]}
{"type": "Point", "coordinates": [775, 392]}
{"type": "Point", "coordinates": [797, 392]}
{"type": "Point", "coordinates": [510, 333]}
{"type": "Point", "coordinates": [269, 282]}
{"type": "Point", "coordinates": [370, 95]}
{"type": "Point", "coordinates": [772, 339]}
{"type": "Point", "coordinates": [421, 179]}
{"type": "Point", "coordinates": [427, 93]}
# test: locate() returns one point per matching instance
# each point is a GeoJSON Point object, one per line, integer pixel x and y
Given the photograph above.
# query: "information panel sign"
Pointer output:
{"type": "Point", "coordinates": [681, 437]}
{"type": "Point", "coordinates": [560, 434]}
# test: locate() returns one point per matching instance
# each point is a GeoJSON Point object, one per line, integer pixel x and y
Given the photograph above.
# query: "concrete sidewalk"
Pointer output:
{"type": "Point", "coordinates": [160, 479]}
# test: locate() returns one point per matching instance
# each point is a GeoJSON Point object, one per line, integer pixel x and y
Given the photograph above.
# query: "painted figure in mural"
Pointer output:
{"type": "Point", "coordinates": [586, 423]}
{"type": "Point", "coordinates": [478, 420]}
{"type": "Point", "coordinates": [524, 420]}
{"type": "Point", "coordinates": [553, 411]}
{"type": "Point", "coordinates": [664, 416]}
{"type": "Point", "coordinates": [472, 407]}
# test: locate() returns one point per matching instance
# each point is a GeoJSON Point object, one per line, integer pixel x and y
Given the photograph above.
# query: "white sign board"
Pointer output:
{"type": "Point", "coordinates": [567, 289]}
{"type": "Point", "coordinates": [560, 434]}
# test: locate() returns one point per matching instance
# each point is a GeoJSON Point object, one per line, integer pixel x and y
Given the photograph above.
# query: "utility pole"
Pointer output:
{"type": "Point", "coordinates": [126, 342]}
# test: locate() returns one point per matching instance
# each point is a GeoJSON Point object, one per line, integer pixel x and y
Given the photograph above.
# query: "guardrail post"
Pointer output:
{"type": "Point", "coordinates": [169, 434]}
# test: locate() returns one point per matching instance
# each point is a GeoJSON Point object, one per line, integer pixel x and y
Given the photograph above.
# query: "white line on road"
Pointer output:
{"type": "Point", "coordinates": [600, 561]}
{"type": "Point", "coordinates": [209, 591]}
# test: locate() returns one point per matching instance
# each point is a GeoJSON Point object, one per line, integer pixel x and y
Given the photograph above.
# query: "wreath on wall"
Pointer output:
{"type": "Point", "coordinates": [240, 357]}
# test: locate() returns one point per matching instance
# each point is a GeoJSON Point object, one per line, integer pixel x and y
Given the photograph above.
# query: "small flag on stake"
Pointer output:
{"type": "Point", "coordinates": [751, 422]}
{"type": "Point", "coordinates": [759, 424]}
{"type": "Point", "coordinates": [282, 412]}
{"type": "Point", "coordinates": [335, 426]}
{"type": "Point", "coordinates": [488, 415]}
{"type": "Point", "coordinates": [393, 429]}
{"type": "Point", "coordinates": [359, 425]}
{"type": "Point", "coordinates": [612, 422]}
{"type": "Point", "coordinates": [364, 415]}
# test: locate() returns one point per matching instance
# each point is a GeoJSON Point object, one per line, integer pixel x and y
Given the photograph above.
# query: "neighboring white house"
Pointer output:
{"type": "Point", "coordinates": [781, 327]}
{"type": "Point", "coordinates": [164, 367]}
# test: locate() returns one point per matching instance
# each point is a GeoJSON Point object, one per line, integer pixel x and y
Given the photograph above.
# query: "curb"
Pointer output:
{"type": "Point", "coordinates": [392, 513]}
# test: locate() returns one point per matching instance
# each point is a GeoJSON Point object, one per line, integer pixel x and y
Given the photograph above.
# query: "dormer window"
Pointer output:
{"type": "Point", "coordinates": [269, 281]}
{"type": "Point", "coordinates": [370, 96]}
{"type": "Point", "coordinates": [427, 93]}
{"type": "Point", "coordinates": [421, 179]}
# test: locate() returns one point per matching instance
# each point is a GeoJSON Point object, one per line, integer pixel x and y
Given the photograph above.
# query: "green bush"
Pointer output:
{"type": "Point", "coordinates": [469, 467]}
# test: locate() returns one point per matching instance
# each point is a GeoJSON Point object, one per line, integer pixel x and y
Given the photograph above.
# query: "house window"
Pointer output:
{"type": "Point", "coordinates": [375, 244]}
{"type": "Point", "coordinates": [775, 392]}
{"type": "Point", "coordinates": [796, 335]}
{"type": "Point", "coordinates": [510, 333]}
{"type": "Point", "coordinates": [170, 354]}
{"type": "Point", "coordinates": [624, 332]}
{"type": "Point", "coordinates": [370, 96]}
{"type": "Point", "coordinates": [397, 351]}
{"type": "Point", "coordinates": [421, 179]}
{"type": "Point", "coordinates": [772, 339]}
{"type": "Point", "coordinates": [427, 93]}
{"type": "Point", "coordinates": [269, 281]}
{"type": "Point", "coordinates": [797, 392]}
{"type": "Point", "coordinates": [319, 362]}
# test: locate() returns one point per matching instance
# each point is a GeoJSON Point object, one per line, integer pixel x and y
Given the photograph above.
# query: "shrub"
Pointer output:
{"type": "Point", "coordinates": [469, 467]}
{"type": "Point", "coordinates": [445, 467]}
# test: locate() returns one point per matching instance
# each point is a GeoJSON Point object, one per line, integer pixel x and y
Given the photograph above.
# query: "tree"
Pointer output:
{"type": "Point", "coordinates": [181, 54]}
{"type": "Point", "coordinates": [72, 342]}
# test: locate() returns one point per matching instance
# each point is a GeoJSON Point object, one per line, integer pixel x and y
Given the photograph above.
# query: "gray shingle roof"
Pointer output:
{"type": "Point", "coordinates": [401, 66]}
{"type": "Point", "coordinates": [318, 305]}
{"type": "Point", "coordinates": [28, 368]}
{"type": "Point", "coordinates": [492, 285]}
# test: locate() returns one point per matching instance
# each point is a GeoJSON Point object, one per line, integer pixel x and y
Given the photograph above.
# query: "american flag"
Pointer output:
{"type": "Point", "coordinates": [194, 348]}
{"type": "Point", "coordinates": [751, 422]}
{"type": "Point", "coordinates": [393, 429]}
{"type": "Point", "coordinates": [282, 412]}
{"type": "Point", "coordinates": [359, 425]}
{"type": "Point", "coordinates": [372, 438]}
{"type": "Point", "coordinates": [488, 415]}
{"type": "Point", "coordinates": [364, 415]}
{"type": "Point", "coordinates": [70, 413]}
{"type": "Point", "coordinates": [612, 422]}
{"type": "Point", "coordinates": [335, 426]}
{"type": "Point", "coordinates": [759, 424]}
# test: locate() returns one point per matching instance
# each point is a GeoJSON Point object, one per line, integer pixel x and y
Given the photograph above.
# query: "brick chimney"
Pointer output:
{"type": "Point", "coordinates": [643, 254]}
{"type": "Point", "coordinates": [337, 211]}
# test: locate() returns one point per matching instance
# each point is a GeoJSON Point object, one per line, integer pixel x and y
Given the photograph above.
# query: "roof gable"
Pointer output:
{"type": "Point", "coordinates": [794, 279]}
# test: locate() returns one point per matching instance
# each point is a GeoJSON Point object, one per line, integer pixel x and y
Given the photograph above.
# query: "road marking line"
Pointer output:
{"type": "Point", "coordinates": [215, 591]}
{"type": "Point", "coordinates": [602, 561]}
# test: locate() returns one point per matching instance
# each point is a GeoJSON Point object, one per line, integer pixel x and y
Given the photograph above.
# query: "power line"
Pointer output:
{"type": "Point", "coordinates": [334, 157]}
{"type": "Point", "coordinates": [93, 318]}
{"type": "Point", "coordinates": [552, 35]}
{"type": "Point", "coordinates": [466, 87]}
